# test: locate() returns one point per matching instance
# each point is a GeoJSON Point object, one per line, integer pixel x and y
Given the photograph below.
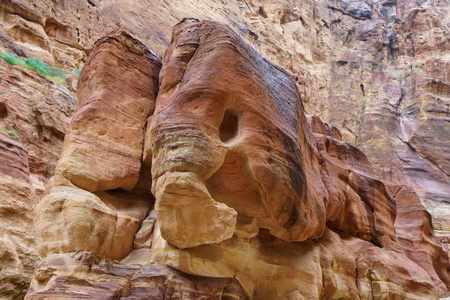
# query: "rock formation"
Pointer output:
{"type": "Point", "coordinates": [36, 113]}
{"type": "Point", "coordinates": [213, 145]}
{"type": "Point", "coordinates": [17, 253]}
{"type": "Point", "coordinates": [95, 183]}
{"type": "Point", "coordinates": [378, 71]}
{"type": "Point", "coordinates": [253, 199]}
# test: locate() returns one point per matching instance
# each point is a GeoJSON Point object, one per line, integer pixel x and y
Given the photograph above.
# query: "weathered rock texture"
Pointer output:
{"type": "Point", "coordinates": [400, 102]}
{"type": "Point", "coordinates": [378, 70]}
{"type": "Point", "coordinates": [245, 146]}
{"type": "Point", "coordinates": [38, 111]}
{"type": "Point", "coordinates": [93, 203]}
{"type": "Point", "coordinates": [257, 199]}
{"type": "Point", "coordinates": [17, 247]}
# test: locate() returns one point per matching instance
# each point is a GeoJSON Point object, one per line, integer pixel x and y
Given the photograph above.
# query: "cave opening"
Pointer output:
{"type": "Point", "coordinates": [229, 127]}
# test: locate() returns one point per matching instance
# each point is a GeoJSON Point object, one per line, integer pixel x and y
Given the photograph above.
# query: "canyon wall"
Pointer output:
{"type": "Point", "coordinates": [246, 188]}
{"type": "Point", "coordinates": [35, 113]}
{"type": "Point", "coordinates": [378, 71]}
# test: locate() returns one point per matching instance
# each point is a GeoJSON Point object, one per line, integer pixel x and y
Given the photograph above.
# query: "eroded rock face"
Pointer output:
{"type": "Point", "coordinates": [380, 66]}
{"type": "Point", "coordinates": [377, 71]}
{"type": "Point", "coordinates": [38, 111]}
{"type": "Point", "coordinates": [253, 196]}
{"type": "Point", "coordinates": [17, 246]}
{"type": "Point", "coordinates": [94, 202]}
{"type": "Point", "coordinates": [388, 87]}
{"type": "Point", "coordinates": [413, 227]}
{"type": "Point", "coordinates": [386, 214]}
{"type": "Point", "coordinates": [229, 128]}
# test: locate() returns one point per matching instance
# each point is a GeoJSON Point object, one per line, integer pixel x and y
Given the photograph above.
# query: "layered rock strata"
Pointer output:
{"type": "Point", "coordinates": [17, 246]}
{"type": "Point", "coordinates": [94, 191]}
{"type": "Point", "coordinates": [34, 115]}
{"type": "Point", "coordinates": [378, 71]}
{"type": "Point", "coordinates": [38, 111]}
{"type": "Point", "coordinates": [257, 199]}
{"type": "Point", "coordinates": [381, 66]}
{"type": "Point", "coordinates": [244, 147]}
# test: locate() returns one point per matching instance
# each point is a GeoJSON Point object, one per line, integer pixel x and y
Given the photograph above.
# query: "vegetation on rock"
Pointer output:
{"type": "Point", "coordinates": [76, 72]}
{"type": "Point", "coordinates": [37, 65]}
{"type": "Point", "coordinates": [12, 133]}
{"type": "Point", "coordinates": [420, 2]}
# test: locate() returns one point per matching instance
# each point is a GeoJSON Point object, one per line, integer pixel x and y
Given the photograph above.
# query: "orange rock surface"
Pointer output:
{"type": "Point", "coordinates": [17, 246]}
{"type": "Point", "coordinates": [101, 158]}
{"type": "Point", "coordinates": [378, 71]}
{"type": "Point", "coordinates": [230, 130]}
{"type": "Point", "coordinates": [246, 188]}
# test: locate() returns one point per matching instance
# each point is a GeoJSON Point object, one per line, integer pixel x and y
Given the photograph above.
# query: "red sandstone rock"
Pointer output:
{"type": "Point", "coordinates": [414, 233]}
{"type": "Point", "coordinates": [384, 83]}
{"type": "Point", "coordinates": [131, 282]}
{"type": "Point", "coordinates": [39, 111]}
{"type": "Point", "coordinates": [111, 109]}
{"type": "Point", "coordinates": [102, 154]}
{"type": "Point", "coordinates": [233, 124]}
{"type": "Point", "coordinates": [358, 203]}
{"type": "Point", "coordinates": [17, 246]}
{"type": "Point", "coordinates": [222, 145]}
{"type": "Point", "coordinates": [362, 67]}
{"type": "Point", "coordinates": [389, 85]}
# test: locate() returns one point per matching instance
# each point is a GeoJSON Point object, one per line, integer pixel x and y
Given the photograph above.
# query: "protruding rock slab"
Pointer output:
{"type": "Point", "coordinates": [222, 110]}
{"type": "Point", "coordinates": [191, 216]}
{"type": "Point", "coordinates": [86, 208]}
{"type": "Point", "coordinates": [116, 94]}
{"type": "Point", "coordinates": [245, 191]}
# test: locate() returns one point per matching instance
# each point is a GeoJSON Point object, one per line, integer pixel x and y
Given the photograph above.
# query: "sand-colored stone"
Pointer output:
{"type": "Point", "coordinates": [222, 146]}
{"type": "Point", "coordinates": [38, 110]}
{"type": "Point", "coordinates": [334, 267]}
{"type": "Point", "coordinates": [377, 71]}
{"type": "Point", "coordinates": [82, 276]}
{"type": "Point", "coordinates": [17, 246]}
{"type": "Point", "coordinates": [111, 109]}
{"type": "Point", "coordinates": [290, 34]}
{"type": "Point", "coordinates": [223, 110]}
{"type": "Point", "coordinates": [86, 207]}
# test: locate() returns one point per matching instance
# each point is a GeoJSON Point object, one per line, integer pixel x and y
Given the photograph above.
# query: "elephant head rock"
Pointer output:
{"type": "Point", "coordinates": [206, 162]}
{"type": "Point", "coordinates": [231, 152]}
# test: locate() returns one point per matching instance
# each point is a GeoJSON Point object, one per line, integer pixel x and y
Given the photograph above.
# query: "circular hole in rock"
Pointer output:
{"type": "Point", "coordinates": [229, 127]}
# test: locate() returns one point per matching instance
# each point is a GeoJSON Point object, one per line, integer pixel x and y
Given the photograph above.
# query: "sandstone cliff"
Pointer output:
{"type": "Point", "coordinates": [378, 71]}
{"type": "Point", "coordinates": [244, 188]}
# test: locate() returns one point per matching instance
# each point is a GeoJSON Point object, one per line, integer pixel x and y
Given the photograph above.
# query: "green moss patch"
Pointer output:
{"type": "Point", "coordinates": [12, 133]}
{"type": "Point", "coordinates": [37, 65]}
